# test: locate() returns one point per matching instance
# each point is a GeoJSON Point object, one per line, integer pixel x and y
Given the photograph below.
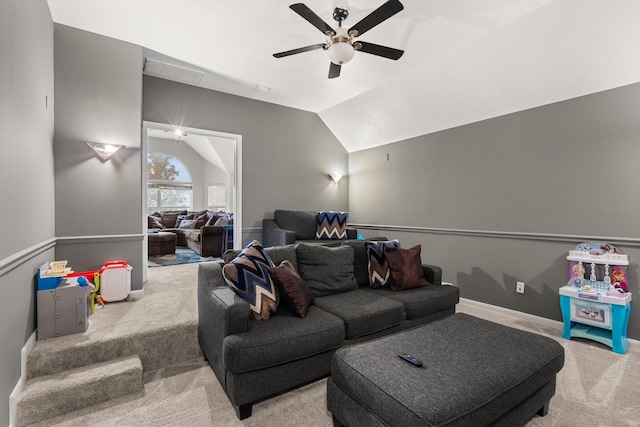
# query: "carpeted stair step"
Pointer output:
{"type": "Point", "coordinates": [52, 395]}
{"type": "Point", "coordinates": [165, 345]}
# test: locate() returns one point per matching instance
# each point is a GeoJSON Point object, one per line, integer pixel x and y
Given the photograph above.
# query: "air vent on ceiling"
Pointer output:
{"type": "Point", "coordinates": [168, 71]}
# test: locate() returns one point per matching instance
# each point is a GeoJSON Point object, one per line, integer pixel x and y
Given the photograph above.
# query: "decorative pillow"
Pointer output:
{"type": "Point", "coordinates": [201, 220]}
{"type": "Point", "coordinates": [181, 218]}
{"type": "Point", "coordinates": [212, 218]}
{"type": "Point", "coordinates": [293, 292]}
{"type": "Point", "coordinates": [332, 225]}
{"type": "Point", "coordinates": [327, 270]}
{"type": "Point", "coordinates": [188, 223]}
{"type": "Point", "coordinates": [170, 219]}
{"type": "Point", "coordinates": [154, 222]}
{"type": "Point", "coordinates": [379, 272]}
{"type": "Point", "coordinates": [222, 220]}
{"type": "Point", "coordinates": [248, 276]}
{"type": "Point", "coordinates": [406, 268]}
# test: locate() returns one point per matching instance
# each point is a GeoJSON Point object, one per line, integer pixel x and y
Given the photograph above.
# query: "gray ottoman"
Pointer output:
{"type": "Point", "coordinates": [474, 373]}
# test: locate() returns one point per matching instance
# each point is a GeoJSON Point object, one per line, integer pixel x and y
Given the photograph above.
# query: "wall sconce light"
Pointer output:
{"type": "Point", "coordinates": [104, 150]}
{"type": "Point", "coordinates": [335, 177]}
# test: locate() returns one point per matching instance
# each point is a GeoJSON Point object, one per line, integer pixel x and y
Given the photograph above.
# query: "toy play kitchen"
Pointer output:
{"type": "Point", "coordinates": [596, 301]}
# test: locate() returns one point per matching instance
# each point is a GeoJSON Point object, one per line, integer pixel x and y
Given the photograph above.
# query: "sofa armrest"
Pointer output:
{"type": "Point", "coordinates": [220, 313]}
{"type": "Point", "coordinates": [273, 235]}
{"type": "Point", "coordinates": [210, 230]}
{"type": "Point", "coordinates": [433, 273]}
{"type": "Point", "coordinates": [352, 233]}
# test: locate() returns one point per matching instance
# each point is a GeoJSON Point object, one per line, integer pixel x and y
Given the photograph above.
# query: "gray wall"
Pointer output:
{"type": "Point", "coordinates": [98, 82]}
{"type": "Point", "coordinates": [26, 175]}
{"type": "Point", "coordinates": [287, 154]}
{"type": "Point", "coordinates": [504, 199]}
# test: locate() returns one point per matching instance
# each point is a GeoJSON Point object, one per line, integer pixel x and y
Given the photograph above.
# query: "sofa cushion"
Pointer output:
{"type": "Point", "coordinates": [360, 262]}
{"type": "Point", "coordinates": [192, 234]}
{"type": "Point", "coordinates": [362, 312]}
{"type": "Point", "coordinates": [377, 263]}
{"type": "Point", "coordinates": [248, 276]}
{"type": "Point", "coordinates": [284, 338]}
{"type": "Point", "coordinates": [327, 270]}
{"type": "Point", "coordinates": [332, 225]}
{"type": "Point", "coordinates": [303, 223]}
{"type": "Point", "coordinates": [189, 224]}
{"type": "Point", "coordinates": [277, 254]}
{"type": "Point", "coordinates": [424, 301]}
{"type": "Point", "coordinates": [293, 292]}
{"type": "Point", "coordinates": [406, 268]}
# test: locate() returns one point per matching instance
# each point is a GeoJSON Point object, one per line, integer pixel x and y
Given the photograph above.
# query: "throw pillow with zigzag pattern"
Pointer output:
{"type": "Point", "coordinates": [379, 272]}
{"type": "Point", "coordinates": [248, 276]}
{"type": "Point", "coordinates": [332, 225]}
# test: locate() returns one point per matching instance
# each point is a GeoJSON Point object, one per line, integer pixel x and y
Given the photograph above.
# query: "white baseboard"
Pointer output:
{"type": "Point", "coordinates": [528, 317]}
{"type": "Point", "coordinates": [13, 397]}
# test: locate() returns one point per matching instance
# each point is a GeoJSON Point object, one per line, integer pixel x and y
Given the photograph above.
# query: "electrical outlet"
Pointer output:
{"type": "Point", "coordinates": [520, 287]}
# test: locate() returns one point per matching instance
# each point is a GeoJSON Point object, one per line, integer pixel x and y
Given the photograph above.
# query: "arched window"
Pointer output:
{"type": "Point", "coordinates": [169, 185]}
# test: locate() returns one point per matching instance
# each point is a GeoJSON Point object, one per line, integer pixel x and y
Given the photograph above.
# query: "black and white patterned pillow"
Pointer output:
{"type": "Point", "coordinates": [248, 276]}
{"type": "Point", "coordinates": [379, 272]}
{"type": "Point", "coordinates": [332, 225]}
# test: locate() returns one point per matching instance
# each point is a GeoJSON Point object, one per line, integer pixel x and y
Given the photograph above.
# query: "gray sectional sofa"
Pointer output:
{"type": "Point", "coordinates": [254, 359]}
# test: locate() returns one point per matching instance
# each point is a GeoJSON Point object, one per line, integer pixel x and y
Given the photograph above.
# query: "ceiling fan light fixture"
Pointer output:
{"type": "Point", "coordinates": [340, 53]}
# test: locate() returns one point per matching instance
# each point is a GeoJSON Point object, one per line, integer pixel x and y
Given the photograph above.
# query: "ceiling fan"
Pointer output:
{"type": "Point", "coordinates": [340, 44]}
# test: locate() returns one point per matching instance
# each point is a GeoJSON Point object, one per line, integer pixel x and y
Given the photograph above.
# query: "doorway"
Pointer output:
{"type": "Point", "coordinates": [221, 166]}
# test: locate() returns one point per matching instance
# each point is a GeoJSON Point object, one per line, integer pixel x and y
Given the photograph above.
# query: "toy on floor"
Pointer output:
{"type": "Point", "coordinates": [95, 298]}
{"type": "Point", "coordinates": [596, 301]}
{"type": "Point", "coordinates": [95, 287]}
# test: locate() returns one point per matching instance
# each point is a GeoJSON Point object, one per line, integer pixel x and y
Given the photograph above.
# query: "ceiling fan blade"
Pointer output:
{"type": "Point", "coordinates": [384, 12]}
{"type": "Point", "coordinates": [300, 50]}
{"type": "Point", "coordinates": [309, 15]}
{"type": "Point", "coordinates": [334, 70]}
{"type": "Point", "coordinates": [376, 49]}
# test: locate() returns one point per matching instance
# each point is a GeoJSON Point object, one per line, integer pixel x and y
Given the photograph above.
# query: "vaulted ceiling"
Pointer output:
{"type": "Point", "coordinates": [464, 60]}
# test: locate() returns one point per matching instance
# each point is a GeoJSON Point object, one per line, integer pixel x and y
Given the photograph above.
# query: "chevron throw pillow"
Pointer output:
{"type": "Point", "coordinates": [248, 276]}
{"type": "Point", "coordinates": [379, 272]}
{"type": "Point", "coordinates": [332, 225]}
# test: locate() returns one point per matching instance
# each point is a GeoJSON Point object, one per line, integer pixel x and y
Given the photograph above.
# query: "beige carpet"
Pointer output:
{"type": "Point", "coordinates": [596, 387]}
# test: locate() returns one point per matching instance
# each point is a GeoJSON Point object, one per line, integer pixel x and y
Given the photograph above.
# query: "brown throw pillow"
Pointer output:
{"type": "Point", "coordinates": [406, 268]}
{"type": "Point", "coordinates": [201, 220]}
{"type": "Point", "coordinates": [294, 292]}
{"type": "Point", "coordinates": [154, 222]}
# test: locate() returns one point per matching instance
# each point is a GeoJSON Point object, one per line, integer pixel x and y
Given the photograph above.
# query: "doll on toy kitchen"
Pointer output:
{"type": "Point", "coordinates": [618, 283]}
{"type": "Point", "coordinates": [578, 275]}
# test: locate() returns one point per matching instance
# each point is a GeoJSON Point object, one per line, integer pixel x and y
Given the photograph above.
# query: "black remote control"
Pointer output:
{"type": "Point", "coordinates": [409, 358]}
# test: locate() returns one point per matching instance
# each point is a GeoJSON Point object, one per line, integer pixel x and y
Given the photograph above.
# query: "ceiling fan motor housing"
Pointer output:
{"type": "Point", "coordinates": [340, 49]}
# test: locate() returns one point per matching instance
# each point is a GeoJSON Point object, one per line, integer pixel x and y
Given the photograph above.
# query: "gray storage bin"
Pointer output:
{"type": "Point", "coordinates": [63, 311]}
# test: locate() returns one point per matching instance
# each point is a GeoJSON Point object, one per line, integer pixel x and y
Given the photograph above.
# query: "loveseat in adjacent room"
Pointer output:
{"type": "Point", "coordinates": [288, 227]}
